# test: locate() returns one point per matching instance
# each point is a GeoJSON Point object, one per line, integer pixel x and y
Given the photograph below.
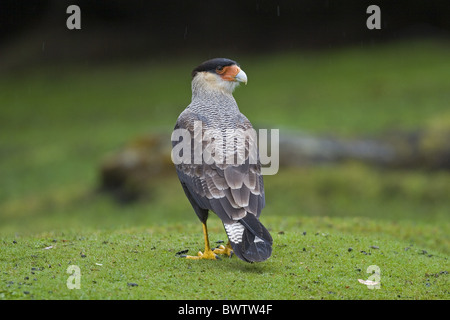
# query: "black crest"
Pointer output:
{"type": "Point", "coordinates": [213, 64]}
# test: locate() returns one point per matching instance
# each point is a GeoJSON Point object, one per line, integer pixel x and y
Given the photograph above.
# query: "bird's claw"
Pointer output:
{"type": "Point", "coordinates": [209, 255]}
{"type": "Point", "coordinates": [224, 250]}
{"type": "Point", "coordinates": [181, 254]}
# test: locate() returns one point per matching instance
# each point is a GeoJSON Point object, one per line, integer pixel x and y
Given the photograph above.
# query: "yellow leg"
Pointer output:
{"type": "Point", "coordinates": [227, 250]}
{"type": "Point", "coordinates": [208, 253]}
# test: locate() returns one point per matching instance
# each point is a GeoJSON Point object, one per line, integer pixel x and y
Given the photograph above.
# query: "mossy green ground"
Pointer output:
{"type": "Point", "coordinates": [57, 127]}
{"type": "Point", "coordinates": [312, 259]}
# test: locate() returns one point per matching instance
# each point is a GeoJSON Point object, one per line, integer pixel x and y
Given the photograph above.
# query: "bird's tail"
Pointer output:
{"type": "Point", "coordinates": [249, 239]}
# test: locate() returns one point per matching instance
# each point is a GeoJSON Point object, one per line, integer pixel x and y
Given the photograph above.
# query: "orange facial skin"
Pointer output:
{"type": "Point", "coordinates": [228, 73]}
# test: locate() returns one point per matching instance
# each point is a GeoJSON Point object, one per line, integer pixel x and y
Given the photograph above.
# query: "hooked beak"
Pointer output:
{"type": "Point", "coordinates": [233, 73]}
{"type": "Point", "coordinates": [241, 76]}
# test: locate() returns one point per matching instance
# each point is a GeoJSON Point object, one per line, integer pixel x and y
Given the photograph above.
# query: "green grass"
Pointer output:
{"type": "Point", "coordinates": [312, 259]}
{"type": "Point", "coordinates": [56, 127]}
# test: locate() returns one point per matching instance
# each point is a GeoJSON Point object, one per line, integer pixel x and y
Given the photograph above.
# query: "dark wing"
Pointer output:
{"type": "Point", "coordinates": [230, 190]}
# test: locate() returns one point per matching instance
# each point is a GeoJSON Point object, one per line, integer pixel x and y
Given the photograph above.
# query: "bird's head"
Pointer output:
{"type": "Point", "coordinates": [218, 74]}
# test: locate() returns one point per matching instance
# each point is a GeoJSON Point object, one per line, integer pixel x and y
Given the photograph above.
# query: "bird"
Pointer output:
{"type": "Point", "coordinates": [233, 190]}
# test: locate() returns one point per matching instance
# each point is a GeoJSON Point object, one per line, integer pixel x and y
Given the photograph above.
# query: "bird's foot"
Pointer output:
{"type": "Point", "coordinates": [208, 254]}
{"type": "Point", "coordinates": [226, 250]}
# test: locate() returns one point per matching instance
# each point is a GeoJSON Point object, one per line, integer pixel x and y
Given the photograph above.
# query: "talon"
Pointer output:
{"type": "Point", "coordinates": [226, 250]}
{"type": "Point", "coordinates": [181, 254]}
{"type": "Point", "coordinates": [208, 253]}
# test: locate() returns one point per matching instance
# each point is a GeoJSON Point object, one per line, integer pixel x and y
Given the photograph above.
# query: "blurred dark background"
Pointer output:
{"type": "Point", "coordinates": [35, 30]}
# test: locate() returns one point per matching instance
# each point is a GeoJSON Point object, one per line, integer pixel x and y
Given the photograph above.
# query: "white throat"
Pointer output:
{"type": "Point", "coordinates": [213, 83]}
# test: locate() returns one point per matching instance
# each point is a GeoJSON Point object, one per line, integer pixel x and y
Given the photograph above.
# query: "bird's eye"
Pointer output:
{"type": "Point", "coordinates": [220, 69]}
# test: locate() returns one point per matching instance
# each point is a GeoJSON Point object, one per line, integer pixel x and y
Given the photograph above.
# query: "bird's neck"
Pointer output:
{"type": "Point", "coordinates": [214, 97]}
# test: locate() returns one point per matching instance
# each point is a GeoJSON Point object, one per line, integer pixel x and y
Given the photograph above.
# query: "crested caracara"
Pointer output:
{"type": "Point", "coordinates": [233, 190]}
